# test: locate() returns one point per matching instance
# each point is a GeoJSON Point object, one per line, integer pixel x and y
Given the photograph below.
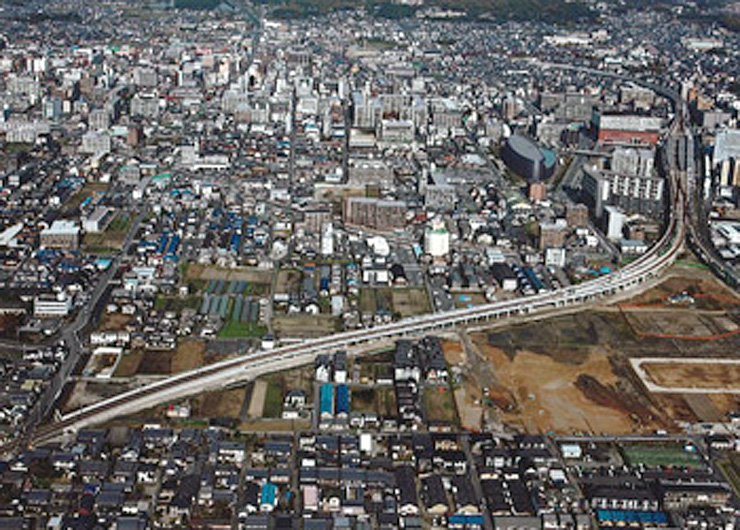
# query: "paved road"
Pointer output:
{"type": "Point", "coordinates": [70, 334]}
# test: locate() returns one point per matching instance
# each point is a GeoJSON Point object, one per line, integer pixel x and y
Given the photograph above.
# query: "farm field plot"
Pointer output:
{"type": "Point", "coordinates": [679, 323]}
{"type": "Point", "coordinates": [129, 364]}
{"type": "Point", "coordinates": [694, 375]}
{"type": "Point", "coordinates": [201, 272]}
{"type": "Point", "coordinates": [188, 356]}
{"type": "Point", "coordinates": [156, 363]}
{"type": "Point", "coordinates": [304, 325]}
{"type": "Point", "coordinates": [410, 302]}
{"type": "Point", "coordinates": [363, 400]}
{"type": "Point", "coordinates": [668, 455]}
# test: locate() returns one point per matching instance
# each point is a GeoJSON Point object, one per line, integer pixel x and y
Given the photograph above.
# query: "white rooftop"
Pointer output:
{"type": "Point", "coordinates": [62, 227]}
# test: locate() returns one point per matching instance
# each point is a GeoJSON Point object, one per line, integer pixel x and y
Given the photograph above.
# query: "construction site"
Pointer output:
{"type": "Point", "coordinates": [669, 356]}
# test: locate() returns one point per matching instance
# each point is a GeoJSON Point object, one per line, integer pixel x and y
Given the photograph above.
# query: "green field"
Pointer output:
{"type": "Point", "coordinates": [438, 403]}
{"type": "Point", "coordinates": [660, 456]}
{"type": "Point", "coordinates": [120, 223]}
{"type": "Point", "coordinates": [273, 401]}
{"type": "Point", "coordinates": [234, 329]}
{"type": "Point", "coordinates": [176, 303]}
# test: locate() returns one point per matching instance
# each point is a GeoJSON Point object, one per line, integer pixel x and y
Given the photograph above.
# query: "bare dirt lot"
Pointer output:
{"type": "Point", "coordinates": [188, 356]}
{"type": "Point", "coordinates": [691, 375]}
{"type": "Point", "coordinates": [257, 401]}
{"type": "Point", "coordinates": [222, 404]}
{"type": "Point", "coordinates": [128, 366]}
{"type": "Point", "coordinates": [155, 363]}
{"type": "Point", "coordinates": [114, 322]}
{"type": "Point", "coordinates": [274, 425]}
{"type": "Point", "coordinates": [453, 352]}
{"type": "Point", "coordinates": [701, 285]}
{"type": "Point", "coordinates": [439, 405]}
{"type": "Point", "coordinates": [288, 280]}
{"type": "Point", "coordinates": [679, 323]}
{"type": "Point", "coordinates": [87, 393]}
{"type": "Point", "coordinates": [410, 302]}
{"type": "Point", "coordinates": [572, 373]}
{"type": "Point", "coordinates": [251, 275]}
{"type": "Point", "coordinates": [544, 395]}
{"type": "Point", "coordinates": [304, 325]}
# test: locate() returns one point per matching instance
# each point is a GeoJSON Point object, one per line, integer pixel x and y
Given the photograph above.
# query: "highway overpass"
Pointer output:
{"type": "Point", "coordinates": [626, 280]}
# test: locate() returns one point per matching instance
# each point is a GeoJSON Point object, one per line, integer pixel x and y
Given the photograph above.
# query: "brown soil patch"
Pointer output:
{"type": "Point", "coordinates": [410, 302]}
{"type": "Point", "coordinates": [129, 364]}
{"type": "Point", "coordinates": [115, 322]}
{"type": "Point", "coordinates": [288, 281]}
{"type": "Point", "coordinates": [680, 323]}
{"type": "Point", "coordinates": [197, 271]}
{"type": "Point", "coordinates": [257, 402]}
{"type": "Point", "coordinates": [307, 326]}
{"type": "Point", "coordinates": [675, 406]}
{"type": "Point", "coordinates": [543, 395]}
{"type": "Point", "coordinates": [725, 403]}
{"type": "Point", "coordinates": [468, 397]}
{"type": "Point", "coordinates": [188, 356]}
{"type": "Point", "coordinates": [439, 405]}
{"type": "Point", "coordinates": [222, 404]}
{"type": "Point", "coordinates": [692, 375]}
{"type": "Point", "coordinates": [274, 425]}
{"type": "Point", "coordinates": [453, 352]}
{"type": "Point", "coordinates": [708, 293]}
{"type": "Point", "coordinates": [703, 408]}
{"type": "Point", "coordinates": [156, 363]}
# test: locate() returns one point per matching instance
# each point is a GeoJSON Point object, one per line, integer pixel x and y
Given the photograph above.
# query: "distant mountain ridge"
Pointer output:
{"type": "Point", "coordinates": [546, 10]}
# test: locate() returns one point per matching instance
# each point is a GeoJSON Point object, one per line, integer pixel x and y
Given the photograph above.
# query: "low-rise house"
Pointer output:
{"type": "Point", "coordinates": [435, 498]}
{"type": "Point", "coordinates": [408, 502]}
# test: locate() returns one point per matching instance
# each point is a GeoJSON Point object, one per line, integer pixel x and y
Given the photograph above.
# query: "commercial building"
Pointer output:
{"type": "Point", "coordinates": [726, 157]}
{"type": "Point", "coordinates": [438, 193]}
{"type": "Point", "coordinates": [633, 193]}
{"type": "Point", "coordinates": [437, 239]}
{"type": "Point", "coordinates": [397, 131]}
{"type": "Point", "coordinates": [62, 234]}
{"type": "Point", "coordinates": [94, 143]}
{"type": "Point", "coordinates": [537, 192]}
{"type": "Point", "coordinates": [98, 220]}
{"type": "Point", "coordinates": [613, 222]}
{"type": "Point", "coordinates": [633, 161]}
{"type": "Point", "coordinates": [553, 234]}
{"type": "Point", "coordinates": [626, 128]}
{"type": "Point", "coordinates": [726, 146]}
{"type": "Point", "coordinates": [576, 215]}
{"type": "Point", "coordinates": [51, 306]}
{"type": "Point", "coordinates": [525, 158]}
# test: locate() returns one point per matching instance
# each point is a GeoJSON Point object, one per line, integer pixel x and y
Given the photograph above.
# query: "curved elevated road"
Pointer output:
{"type": "Point", "coordinates": [630, 277]}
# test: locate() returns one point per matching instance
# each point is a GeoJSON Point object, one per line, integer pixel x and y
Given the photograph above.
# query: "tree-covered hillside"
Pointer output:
{"type": "Point", "coordinates": [545, 10]}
